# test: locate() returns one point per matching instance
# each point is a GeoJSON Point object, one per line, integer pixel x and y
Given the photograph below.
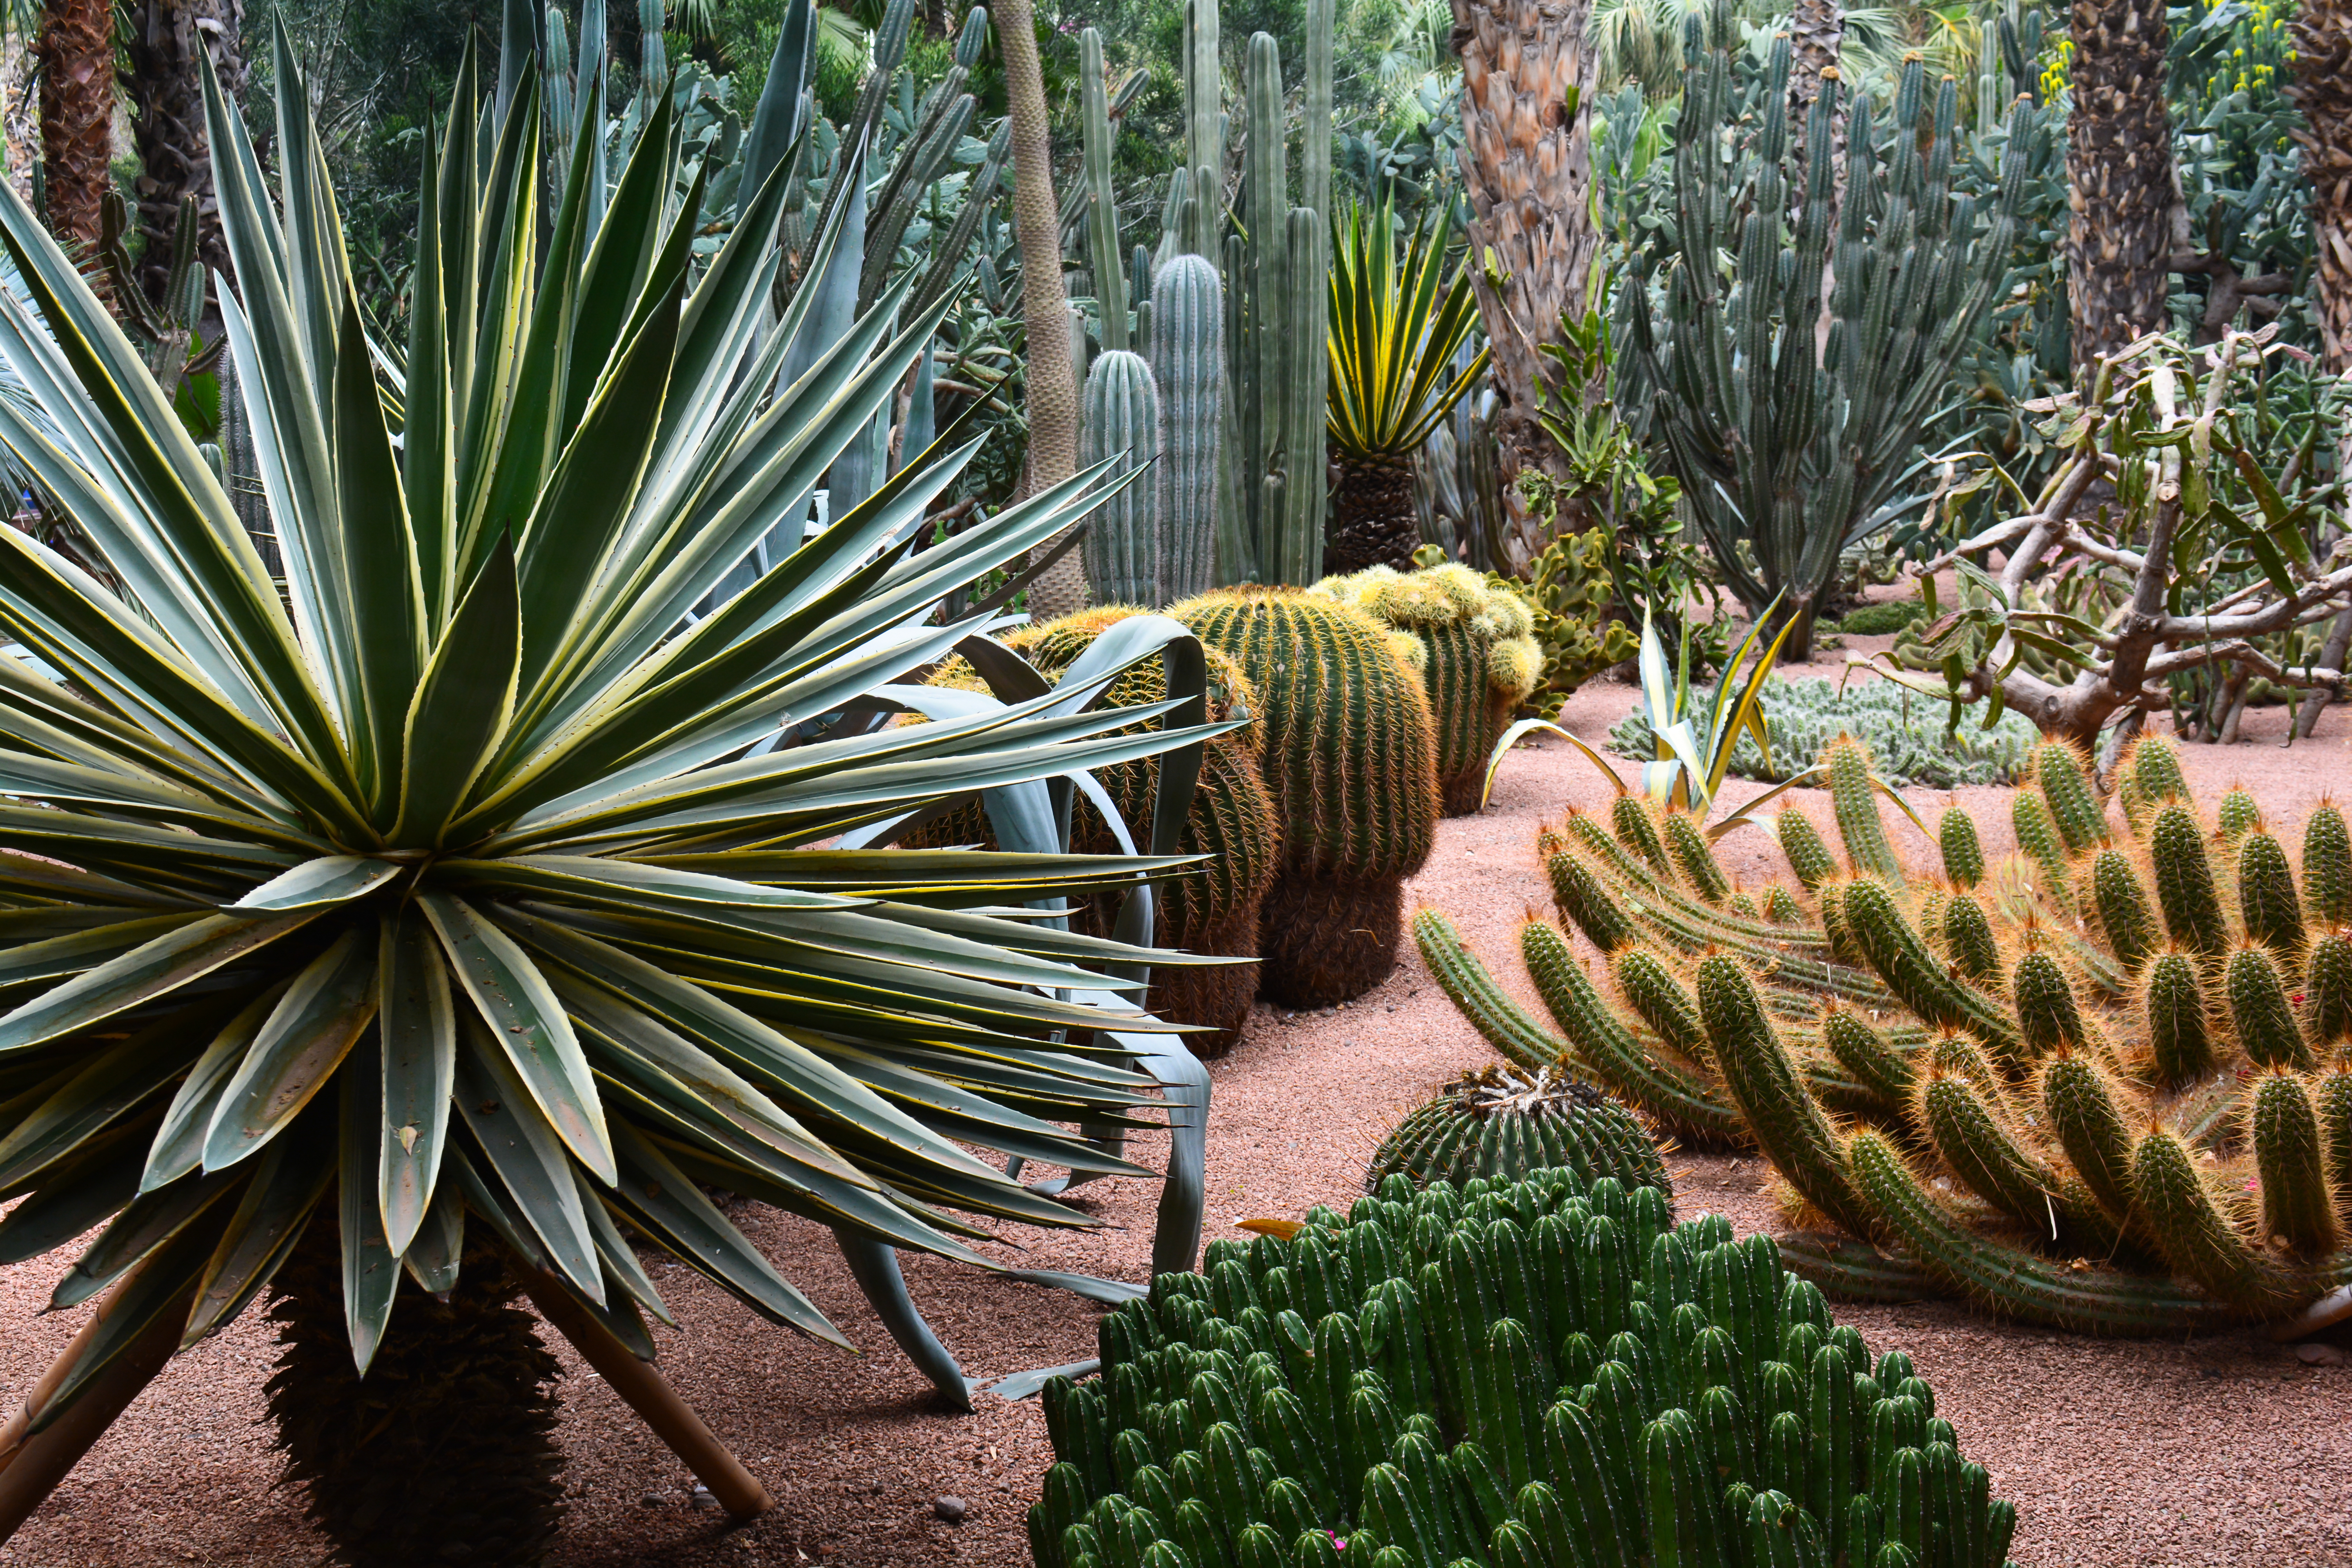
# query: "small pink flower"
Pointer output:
{"type": "Point", "coordinates": [1338, 1544]}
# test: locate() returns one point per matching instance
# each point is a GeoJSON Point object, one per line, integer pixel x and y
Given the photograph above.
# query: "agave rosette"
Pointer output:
{"type": "Point", "coordinates": [463, 877]}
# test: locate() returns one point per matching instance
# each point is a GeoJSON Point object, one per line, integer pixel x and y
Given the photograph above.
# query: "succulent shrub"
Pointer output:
{"type": "Point", "coordinates": [1569, 587]}
{"type": "Point", "coordinates": [1905, 732]}
{"type": "Point", "coordinates": [1544, 1374]}
{"type": "Point", "coordinates": [1501, 1125]}
{"type": "Point", "coordinates": [456, 893]}
{"type": "Point", "coordinates": [2103, 1085]}
{"type": "Point", "coordinates": [1349, 758]}
{"type": "Point", "coordinates": [1471, 639]}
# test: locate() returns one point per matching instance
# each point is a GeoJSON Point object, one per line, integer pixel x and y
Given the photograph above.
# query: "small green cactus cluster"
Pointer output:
{"type": "Point", "coordinates": [1905, 732]}
{"type": "Point", "coordinates": [1471, 640]}
{"type": "Point", "coordinates": [2102, 1085]}
{"type": "Point", "coordinates": [1349, 761]}
{"type": "Point", "coordinates": [1549, 1375]}
{"type": "Point", "coordinates": [1569, 587]}
{"type": "Point", "coordinates": [1232, 823]}
{"type": "Point", "coordinates": [1500, 1125]}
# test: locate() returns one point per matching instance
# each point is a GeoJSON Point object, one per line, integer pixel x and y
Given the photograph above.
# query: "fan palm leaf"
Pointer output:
{"type": "Point", "coordinates": [464, 879]}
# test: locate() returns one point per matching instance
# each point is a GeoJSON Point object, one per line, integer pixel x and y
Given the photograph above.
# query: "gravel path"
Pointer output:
{"type": "Point", "coordinates": [2226, 1451]}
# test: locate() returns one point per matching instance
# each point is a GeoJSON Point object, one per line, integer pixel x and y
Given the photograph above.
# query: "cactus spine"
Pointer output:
{"type": "Point", "coordinates": [1122, 426]}
{"type": "Point", "coordinates": [2297, 1207]}
{"type": "Point", "coordinates": [1956, 834]}
{"type": "Point", "coordinates": [2327, 864]}
{"type": "Point", "coordinates": [1502, 1127]}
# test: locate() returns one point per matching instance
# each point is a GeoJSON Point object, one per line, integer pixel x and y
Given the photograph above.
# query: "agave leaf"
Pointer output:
{"type": "Point", "coordinates": [54, 958]}
{"type": "Point", "coordinates": [371, 1267]}
{"type": "Point", "coordinates": [463, 702]}
{"type": "Point", "coordinates": [297, 1049]}
{"type": "Point", "coordinates": [419, 1028]}
{"type": "Point", "coordinates": [179, 1145]}
{"type": "Point", "coordinates": [159, 1289]}
{"type": "Point", "coordinates": [113, 1083]}
{"type": "Point", "coordinates": [432, 1258]}
{"type": "Point", "coordinates": [618, 1258]}
{"type": "Point", "coordinates": [77, 1193]}
{"type": "Point", "coordinates": [279, 1198]}
{"type": "Point", "coordinates": [149, 1221]}
{"type": "Point", "coordinates": [526, 1153]}
{"type": "Point", "coordinates": [319, 884]}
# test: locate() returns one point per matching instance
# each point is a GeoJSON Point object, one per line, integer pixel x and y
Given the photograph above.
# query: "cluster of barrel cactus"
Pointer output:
{"type": "Point", "coordinates": [1547, 1374]}
{"type": "Point", "coordinates": [1472, 641]}
{"type": "Point", "coordinates": [2102, 1085]}
{"type": "Point", "coordinates": [1349, 761]}
{"type": "Point", "coordinates": [1500, 1124]}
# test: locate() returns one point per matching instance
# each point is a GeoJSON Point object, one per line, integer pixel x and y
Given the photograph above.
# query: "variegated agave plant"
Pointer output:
{"type": "Point", "coordinates": [462, 879]}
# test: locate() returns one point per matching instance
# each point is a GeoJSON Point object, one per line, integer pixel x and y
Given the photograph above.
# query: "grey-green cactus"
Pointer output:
{"type": "Point", "coordinates": [1103, 254]}
{"type": "Point", "coordinates": [1187, 346]}
{"type": "Point", "coordinates": [1122, 427]}
{"type": "Point", "coordinates": [1536, 1375]}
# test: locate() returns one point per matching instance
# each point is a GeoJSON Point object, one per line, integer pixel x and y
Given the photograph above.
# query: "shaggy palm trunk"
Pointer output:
{"type": "Point", "coordinates": [2119, 175]}
{"type": "Point", "coordinates": [164, 45]}
{"type": "Point", "coordinates": [1372, 519]}
{"type": "Point", "coordinates": [1527, 163]}
{"type": "Point", "coordinates": [2322, 88]}
{"type": "Point", "coordinates": [76, 49]}
{"type": "Point", "coordinates": [1051, 397]}
{"type": "Point", "coordinates": [444, 1452]}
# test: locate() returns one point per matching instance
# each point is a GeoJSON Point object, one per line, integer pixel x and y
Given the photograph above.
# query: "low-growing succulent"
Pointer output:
{"type": "Point", "coordinates": [1503, 1125]}
{"type": "Point", "coordinates": [2103, 1085]}
{"type": "Point", "coordinates": [1546, 1374]}
{"type": "Point", "coordinates": [1903, 731]}
{"type": "Point", "coordinates": [1571, 589]}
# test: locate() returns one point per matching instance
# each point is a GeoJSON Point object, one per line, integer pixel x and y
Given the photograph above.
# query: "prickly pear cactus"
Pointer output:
{"type": "Point", "coordinates": [1471, 641]}
{"type": "Point", "coordinates": [1503, 1126]}
{"type": "Point", "coordinates": [1349, 759]}
{"type": "Point", "coordinates": [1544, 1373]}
{"type": "Point", "coordinates": [2103, 1084]}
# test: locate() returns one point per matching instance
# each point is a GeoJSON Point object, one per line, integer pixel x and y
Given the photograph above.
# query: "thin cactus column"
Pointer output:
{"type": "Point", "coordinates": [1122, 426]}
{"type": "Point", "coordinates": [1187, 360]}
{"type": "Point", "coordinates": [1102, 213]}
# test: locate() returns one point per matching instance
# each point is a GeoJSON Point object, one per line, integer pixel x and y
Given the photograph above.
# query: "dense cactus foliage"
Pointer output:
{"type": "Point", "coordinates": [1349, 760]}
{"type": "Point", "coordinates": [1501, 1125]}
{"type": "Point", "coordinates": [2102, 1086]}
{"type": "Point", "coordinates": [1472, 641]}
{"type": "Point", "coordinates": [1540, 1375]}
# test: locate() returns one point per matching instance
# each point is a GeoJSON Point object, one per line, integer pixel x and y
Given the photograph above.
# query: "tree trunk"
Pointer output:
{"type": "Point", "coordinates": [2120, 178]}
{"type": "Point", "coordinates": [1527, 85]}
{"type": "Point", "coordinates": [165, 46]}
{"type": "Point", "coordinates": [76, 49]}
{"type": "Point", "coordinates": [2322, 88]}
{"type": "Point", "coordinates": [1052, 392]}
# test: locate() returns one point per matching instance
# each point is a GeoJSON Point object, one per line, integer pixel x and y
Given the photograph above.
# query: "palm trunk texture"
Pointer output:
{"type": "Point", "coordinates": [2120, 176]}
{"type": "Point", "coordinates": [165, 46]}
{"type": "Point", "coordinates": [76, 49]}
{"type": "Point", "coordinates": [2322, 88]}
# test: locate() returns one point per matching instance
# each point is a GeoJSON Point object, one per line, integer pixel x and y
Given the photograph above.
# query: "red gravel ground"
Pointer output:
{"type": "Point", "coordinates": [2225, 1451]}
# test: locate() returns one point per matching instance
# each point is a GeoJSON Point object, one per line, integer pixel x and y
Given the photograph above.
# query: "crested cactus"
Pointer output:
{"type": "Point", "coordinates": [1187, 348]}
{"type": "Point", "coordinates": [1516, 1375]}
{"type": "Point", "coordinates": [2133, 1121]}
{"type": "Point", "coordinates": [1475, 651]}
{"type": "Point", "coordinates": [1349, 761]}
{"type": "Point", "coordinates": [1503, 1126]}
{"type": "Point", "coordinates": [1122, 426]}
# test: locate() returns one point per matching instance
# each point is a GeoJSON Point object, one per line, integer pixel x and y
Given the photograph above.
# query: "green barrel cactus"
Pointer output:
{"type": "Point", "coordinates": [1501, 1125]}
{"type": "Point", "coordinates": [1232, 823]}
{"type": "Point", "coordinates": [1473, 643]}
{"type": "Point", "coordinates": [1349, 760]}
{"type": "Point", "coordinates": [1187, 349]}
{"type": "Point", "coordinates": [1123, 543]}
{"type": "Point", "coordinates": [2113, 1096]}
{"type": "Point", "coordinates": [1545, 1374]}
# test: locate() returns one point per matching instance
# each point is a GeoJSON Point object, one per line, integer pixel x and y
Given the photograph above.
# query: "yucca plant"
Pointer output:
{"type": "Point", "coordinates": [459, 889]}
{"type": "Point", "coordinates": [1396, 323]}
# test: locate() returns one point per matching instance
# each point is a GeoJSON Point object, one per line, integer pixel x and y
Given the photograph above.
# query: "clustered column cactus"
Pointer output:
{"type": "Point", "coordinates": [1540, 1375]}
{"type": "Point", "coordinates": [2103, 1085]}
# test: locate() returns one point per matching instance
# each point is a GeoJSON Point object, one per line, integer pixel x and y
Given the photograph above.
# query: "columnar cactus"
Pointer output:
{"type": "Point", "coordinates": [1102, 208]}
{"type": "Point", "coordinates": [1504, 1126]}
{"type": "Point", "coordinates": [1187, 347]}
{"type": "Point", "coordinates": [1122, 426]}
{"type": "Point", "coordinates": [2128, 1072]}
{"type": "Point", "coordinates": [1351, 762]}
{"type": "Point", "coordinates": [1474, 647]}
{"type": "Point", "coordinates": [1544, 1373]}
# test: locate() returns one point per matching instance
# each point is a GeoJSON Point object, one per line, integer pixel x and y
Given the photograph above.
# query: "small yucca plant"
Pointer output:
{"type": "Point", "coordinates": [461, 888]}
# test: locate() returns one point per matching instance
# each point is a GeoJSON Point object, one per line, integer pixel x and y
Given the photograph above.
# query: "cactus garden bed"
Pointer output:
{"type": "Point", "coordinates": [2226, 1450]}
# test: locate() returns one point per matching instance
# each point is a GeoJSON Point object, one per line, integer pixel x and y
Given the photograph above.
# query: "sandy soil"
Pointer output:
{"type": "Point", "coordinates": [2225, 1451]}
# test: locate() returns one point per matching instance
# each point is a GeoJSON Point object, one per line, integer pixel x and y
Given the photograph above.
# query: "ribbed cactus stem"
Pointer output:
{"type": "Point", "coordinates": [1188, 362]}
{"type": "Point", "coordinates": [2088, 1120]}
{"type": "Point", "coordinates": [1801, 841]}
{"type": "Point", "coordinates": [2074, 807]}
{"type": "Point", "coordinates": [2266, 898]}
{"type": "Point", "coordinates": [1103, 254]}
{"type": "Point", "coordinates": [1653, 993]}
{"type": "Point", "coordinates": [1762, 1082]}
{"type": "Point", "coordinates": [1678, 1101]}
{"type": "Point", "coordinates": [1969, 938]}
{"type": "Point", "coordinates": [2047, 1014]}
{"type": "Point", "coordinates": [2180, 1030]}
{"type": "Point", "coordinates": [1916, 975]}
{"type": "Point", "coordinates": [1985, 1155]}
{"type": "Point", "coordinates": [1503, 1022]}
{"type": "Point", "coordinates": [2327, 865]}
{"type": "Point", "coordinates": [1696, 857]}
{"type": "Point", "coordinates": [1586, 901]}
{"type": "Point", "coordinates": [1780, 906]}
{"type": "Point", "coordinates": [2298, 1205]}
{"type": "Point", "coordinates": [1122, 426]}
{"type": "Point", "coordinates": [1956, 836]}
{"type": "Point", "coordinates": [2239, 812]}
{"type": "Point", "coordinates": [2154, 764]}
{"type": "Point", "coordinates": [1635, 823]}
{"type": "Point", "coordinates": [1862, 1051]}
{"type": "Point", "coordinates": [2260, 1012]}
{"type": "Point", "coordinates": [2038, 840]}
{"type": "Point", "coordinates": [2327, 988]}
{"type": "Point", "coordinates": [2331, 1097]}
{"type": "Point", "coordinates": [2184, 881]}
{"type": "Point", "coordinates": [2189, 1226]}
{"type": "Point", "coordinates": [1855, 796]}
{"type": "Point", "coordinates": [2122, 903]}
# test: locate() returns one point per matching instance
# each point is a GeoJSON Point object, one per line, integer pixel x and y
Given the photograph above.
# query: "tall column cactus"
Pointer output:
{"type": "Point", "coordinates": [1187, 360]}
{"type": "Point", "coordinates": [1122, 426]}
{"type": "Point", "coordinates": [1102, 210]}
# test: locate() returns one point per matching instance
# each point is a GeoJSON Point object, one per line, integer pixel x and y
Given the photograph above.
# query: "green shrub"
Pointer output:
{"type": "Point", "coordinates": [1881, 620]}
{"type": "Point", "coordinates": [1548, 1373]}
{"type": "Point", "coordinates": [1905, 732]}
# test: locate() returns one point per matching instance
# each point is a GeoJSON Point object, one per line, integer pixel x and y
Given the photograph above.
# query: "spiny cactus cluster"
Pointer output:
{"type": "Point", "coordinates": [1540, 1375]}
{"type": "Point", "coordinates": [1500, 1125]}
{"type": "Point", "coordinates": [1471, 639]}
{"type": "Point", "coordinates": [1349, 761]}
{"type": "Point", "coordinates": [1905, 732]}
{"type": "Point", "coordinates": [2103, 1085]}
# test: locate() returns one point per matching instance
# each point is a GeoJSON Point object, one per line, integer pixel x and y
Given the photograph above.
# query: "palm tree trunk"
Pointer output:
{"type": "Point", "coordinates": [166, 50]}
{"type": "Point", "coordinates": [1527, 84]}
{"type": "Point", "coordinates": [1051, 390]}
{"type": "Point", "coordinates": [2322, 88]}
{"type": "Point", "coordinates": [76, 49]}
{"type": "Point", "coordinates": [2119, 173]}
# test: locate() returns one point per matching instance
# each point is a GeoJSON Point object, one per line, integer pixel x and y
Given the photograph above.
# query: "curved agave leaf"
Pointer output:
{"type": "Point", "coordinates": [468, 880]}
